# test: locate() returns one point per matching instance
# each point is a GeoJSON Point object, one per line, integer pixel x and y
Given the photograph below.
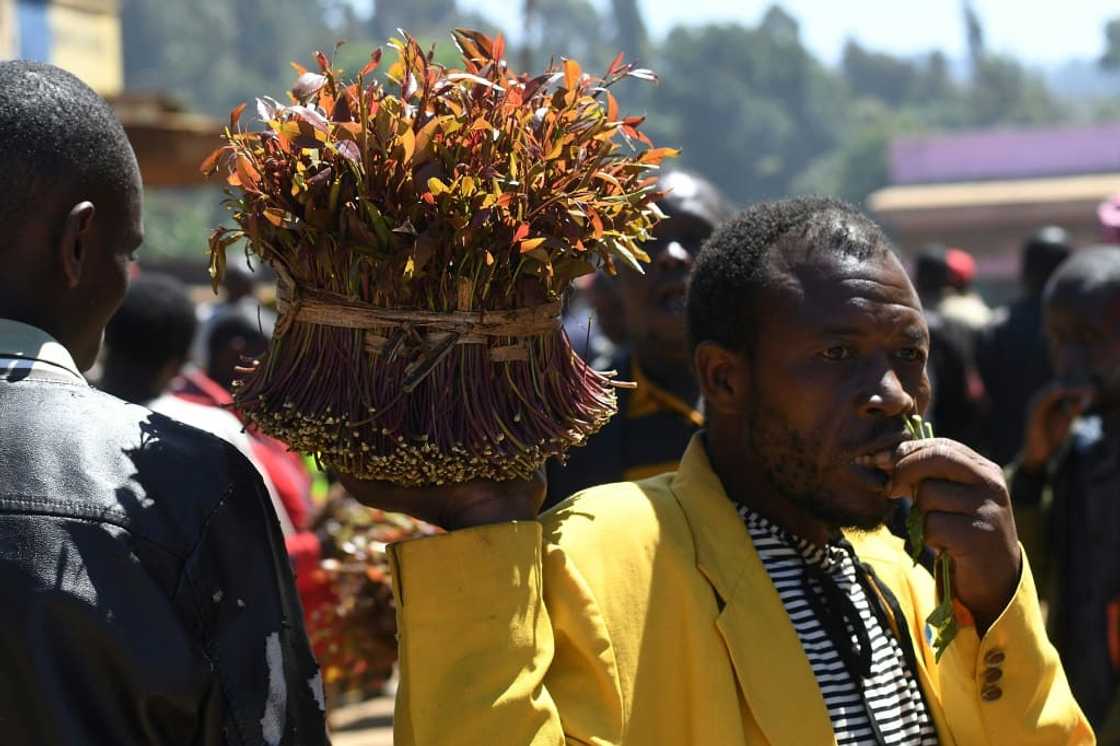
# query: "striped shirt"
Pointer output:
{"type": "Point", "coordinates": [886, 705]}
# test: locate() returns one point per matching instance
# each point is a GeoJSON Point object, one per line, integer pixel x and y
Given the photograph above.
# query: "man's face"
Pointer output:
{"type": "Point", "coordinates": [839, 361]}
{"type": "Point", "coordinates": [1083, 331]}
{"type": "Point", "coordinates": [115, 234]}
{"type": "Point", "coordinates": [654, 302]}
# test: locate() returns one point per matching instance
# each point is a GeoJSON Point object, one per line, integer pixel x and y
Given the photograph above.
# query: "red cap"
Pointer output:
{"type": "Point", "coordinates": [962, 267]}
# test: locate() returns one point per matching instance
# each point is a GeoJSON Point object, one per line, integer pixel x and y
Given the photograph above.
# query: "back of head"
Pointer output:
{"type": "Point", "coordinates": [231, 340]}
{"type": "Point", "coordinates": [1089, 271]}
{"type": "Point", "coordinates": [931, 271]}
{"type": "Point", "coordinates": [70, 209]}
{"type": "Point", "coordinates": [744, 256]}
{"type": "Point", "coordinates": [152, 329]}
{"type": "Point", "coordinates": [58, 138]}
{"type": "Point", "coordinates": [1043, 251]}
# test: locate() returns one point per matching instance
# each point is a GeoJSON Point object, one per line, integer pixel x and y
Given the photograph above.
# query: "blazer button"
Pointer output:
{"type": "Point", "coordinates": [992, 675]}
{"type": "Point", "coordinates": [991, 693]}
{"type": "Point", "coordinates": [994, 657]}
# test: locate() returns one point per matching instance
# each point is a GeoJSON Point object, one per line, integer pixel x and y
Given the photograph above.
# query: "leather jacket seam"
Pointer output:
{"type": "Point", "coordinates": [186, 585]}
{"type": "Point", "coordinates": [44, 506]}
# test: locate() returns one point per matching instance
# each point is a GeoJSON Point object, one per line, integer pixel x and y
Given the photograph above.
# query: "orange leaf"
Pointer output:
{"type": "Point", "coordinates": [235, 115]}
{"type": "Point", "coordinates": [374, 61]}
{"type": "Point", "coordinates": [248, 175]}
{"type": "Point", "coordinates": [656, 155]}
{"type": "Point", "coordinates": [300, 69]}
{"type": "Point", "coordinates": [211, 161]}
{"type": "Point", "coordinates": [489, 259]}
{"type": "Point", "coordinates": [612, 108]}
{"type": "Point", "coordinates": [616, 65]}
{"type": "Point", "coordinates": [499, 49]}
{"type": "Point", "coordinates": [408, 142]}
{"type": "Point", "coordinates": [633, 121]}
{"type": "Point", "coordinates": [521, 232]}
{"type": "Point", "coordinates": [531, 243]}
{"type": "Point", "coordinates": [572, 73]}
{"type": "Point", "coordinates": [597, 223]}
{"type": "Point", "coordinates": [274, 215]}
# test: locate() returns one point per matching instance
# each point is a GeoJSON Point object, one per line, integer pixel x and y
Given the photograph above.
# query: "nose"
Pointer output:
{"type": "Point", "coordinates": [887, 397]}
{"type": "Point", "coordinates": [673, 257]}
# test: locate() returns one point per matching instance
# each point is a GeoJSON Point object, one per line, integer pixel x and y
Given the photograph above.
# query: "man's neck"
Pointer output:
{"type": "Point", "coordinates": [747, 485]}
{"type": "Point", "coordinates": [128, 387]}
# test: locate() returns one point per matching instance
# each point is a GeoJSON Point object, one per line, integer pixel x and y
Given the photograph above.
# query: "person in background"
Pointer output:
{"type": "Point", "coordinates": [1066, 480]}
{"type": "Point", "coordinates": [656, 419]}
{"type": "Point", "coordinates": [961, 302]}
{"type": "Point", "coordinates": [147, 599]}
{"type": "Point", "coordinates": [147, 343]}
{"type": "Point", "coordinates": [1011, 354]}
{"type": "Point", "coordinates": [239, 299]}
{"type": "Point", "coordinates": [957, 392]}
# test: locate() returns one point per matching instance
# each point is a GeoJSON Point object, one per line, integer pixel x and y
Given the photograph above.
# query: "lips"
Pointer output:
{"type": "Point", "coordinates": [866, 456]}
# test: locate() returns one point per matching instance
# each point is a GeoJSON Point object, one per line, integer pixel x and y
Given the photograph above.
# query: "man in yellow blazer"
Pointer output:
{"type": "Point", "coordinates": [751, 597]}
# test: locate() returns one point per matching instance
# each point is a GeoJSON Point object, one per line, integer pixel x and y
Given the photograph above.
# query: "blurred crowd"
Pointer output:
{"type": "Point", "coordinates": [1033, 385]}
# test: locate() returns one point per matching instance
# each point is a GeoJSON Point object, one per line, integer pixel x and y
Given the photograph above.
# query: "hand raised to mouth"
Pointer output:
{"type": "Point", "coordinates": [966, 512]}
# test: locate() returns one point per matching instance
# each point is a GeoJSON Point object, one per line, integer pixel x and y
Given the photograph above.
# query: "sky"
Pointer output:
{"type": "Point", "coordinates": [1037, 31]}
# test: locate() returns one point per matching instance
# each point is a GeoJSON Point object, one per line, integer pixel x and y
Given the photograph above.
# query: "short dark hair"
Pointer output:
{"type": "Point", "coordinates": [155, 324]}
{"type": "Point", "coordinates": [55, 129]}
{"type": "Point", "coordinates": [736, 263]}
{"type": "Point", "coordinates": [1043, 252]}
{"type": "Point", "coordinates": [236, 325]}
{"type": "Point", "coordinates": [1087, 271]}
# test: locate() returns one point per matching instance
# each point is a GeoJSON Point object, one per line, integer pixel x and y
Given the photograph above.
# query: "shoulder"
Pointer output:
{"type": "Point", "coordinates": [91, 455]}
{"type": "Point", "coordinates": [617, 518]}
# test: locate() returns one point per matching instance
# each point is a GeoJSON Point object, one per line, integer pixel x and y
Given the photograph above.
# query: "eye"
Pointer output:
{"type": "Point", "coordinates": [911, 355]}
{"type": "Point", "coordinates": [837, 352]}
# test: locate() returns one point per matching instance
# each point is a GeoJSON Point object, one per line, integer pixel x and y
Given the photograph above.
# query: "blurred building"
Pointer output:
{"type": "Point", "coordinates": [985, 191]}
{"type": "Point", "coordinates": [84, 37]}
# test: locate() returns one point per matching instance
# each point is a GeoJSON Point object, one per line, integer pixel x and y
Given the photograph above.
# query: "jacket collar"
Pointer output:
{"type": "Point", "coordinates": [773, 671]}
{"type": "Point", "coordinates": [23, 342]}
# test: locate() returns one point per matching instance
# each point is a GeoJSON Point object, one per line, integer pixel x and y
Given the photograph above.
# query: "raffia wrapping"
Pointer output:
{"type": "Point", "coordinates": [394, 373]}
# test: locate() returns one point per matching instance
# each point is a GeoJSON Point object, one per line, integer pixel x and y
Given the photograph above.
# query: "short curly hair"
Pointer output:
{"type": "Point", "coordinates": [736, 263]}
{"type": "Point", "coordinates": [54, 129]}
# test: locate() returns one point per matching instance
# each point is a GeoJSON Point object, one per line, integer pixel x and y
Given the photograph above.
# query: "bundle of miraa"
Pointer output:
{"type": "Point", "coordinates": [424, 227]}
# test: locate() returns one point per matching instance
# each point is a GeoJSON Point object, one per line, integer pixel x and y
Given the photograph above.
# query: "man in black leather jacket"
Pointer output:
{"type": "Point", "coordinates": [145, 597]}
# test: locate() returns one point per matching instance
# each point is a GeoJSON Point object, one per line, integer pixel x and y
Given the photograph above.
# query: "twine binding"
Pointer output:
{"type": "Point", "coordinates": [388, 330]}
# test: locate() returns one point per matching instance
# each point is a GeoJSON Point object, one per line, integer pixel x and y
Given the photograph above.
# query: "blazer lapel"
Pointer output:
{"type": "Point", "coordinates": [774, 675]}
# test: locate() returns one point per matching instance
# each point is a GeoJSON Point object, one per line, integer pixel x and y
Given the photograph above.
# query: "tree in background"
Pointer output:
{"type": "Point", "coordinates": [1110, 60]}
{"type": "Point", "coordinates": [630, 29]}
{"type": "Point", "coordinates": [751, 107]}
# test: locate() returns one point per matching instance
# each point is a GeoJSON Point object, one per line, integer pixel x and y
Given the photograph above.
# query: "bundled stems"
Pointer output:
{"type": "Point", "coordinates": [441, 199]}
{"type": "Point", "coordinates": [941, 619]}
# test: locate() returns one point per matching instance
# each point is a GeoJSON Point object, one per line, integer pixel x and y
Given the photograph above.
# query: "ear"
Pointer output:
{"type": "Point", "coordinates": [72, 245]}
{"type": "Point", "coordinates": [724, 377]}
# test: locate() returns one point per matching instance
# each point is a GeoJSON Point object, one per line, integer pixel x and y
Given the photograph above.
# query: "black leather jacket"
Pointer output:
{"type": "Point", "coordinates": [145, 595]}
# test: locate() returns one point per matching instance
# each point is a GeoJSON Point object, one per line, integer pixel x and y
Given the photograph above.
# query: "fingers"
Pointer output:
{"type": "Point", "coordinates": [961, 535]}
{"type": "Point", "coordinates": [914, 463]}
{"type": "Point", "coordinates": [1069, 400]}
{"type": "Point", "coordinates": [943, 496]}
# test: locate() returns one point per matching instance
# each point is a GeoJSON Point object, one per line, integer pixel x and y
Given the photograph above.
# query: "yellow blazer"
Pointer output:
{"type": "Point", "coordinates": [640, 614]}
